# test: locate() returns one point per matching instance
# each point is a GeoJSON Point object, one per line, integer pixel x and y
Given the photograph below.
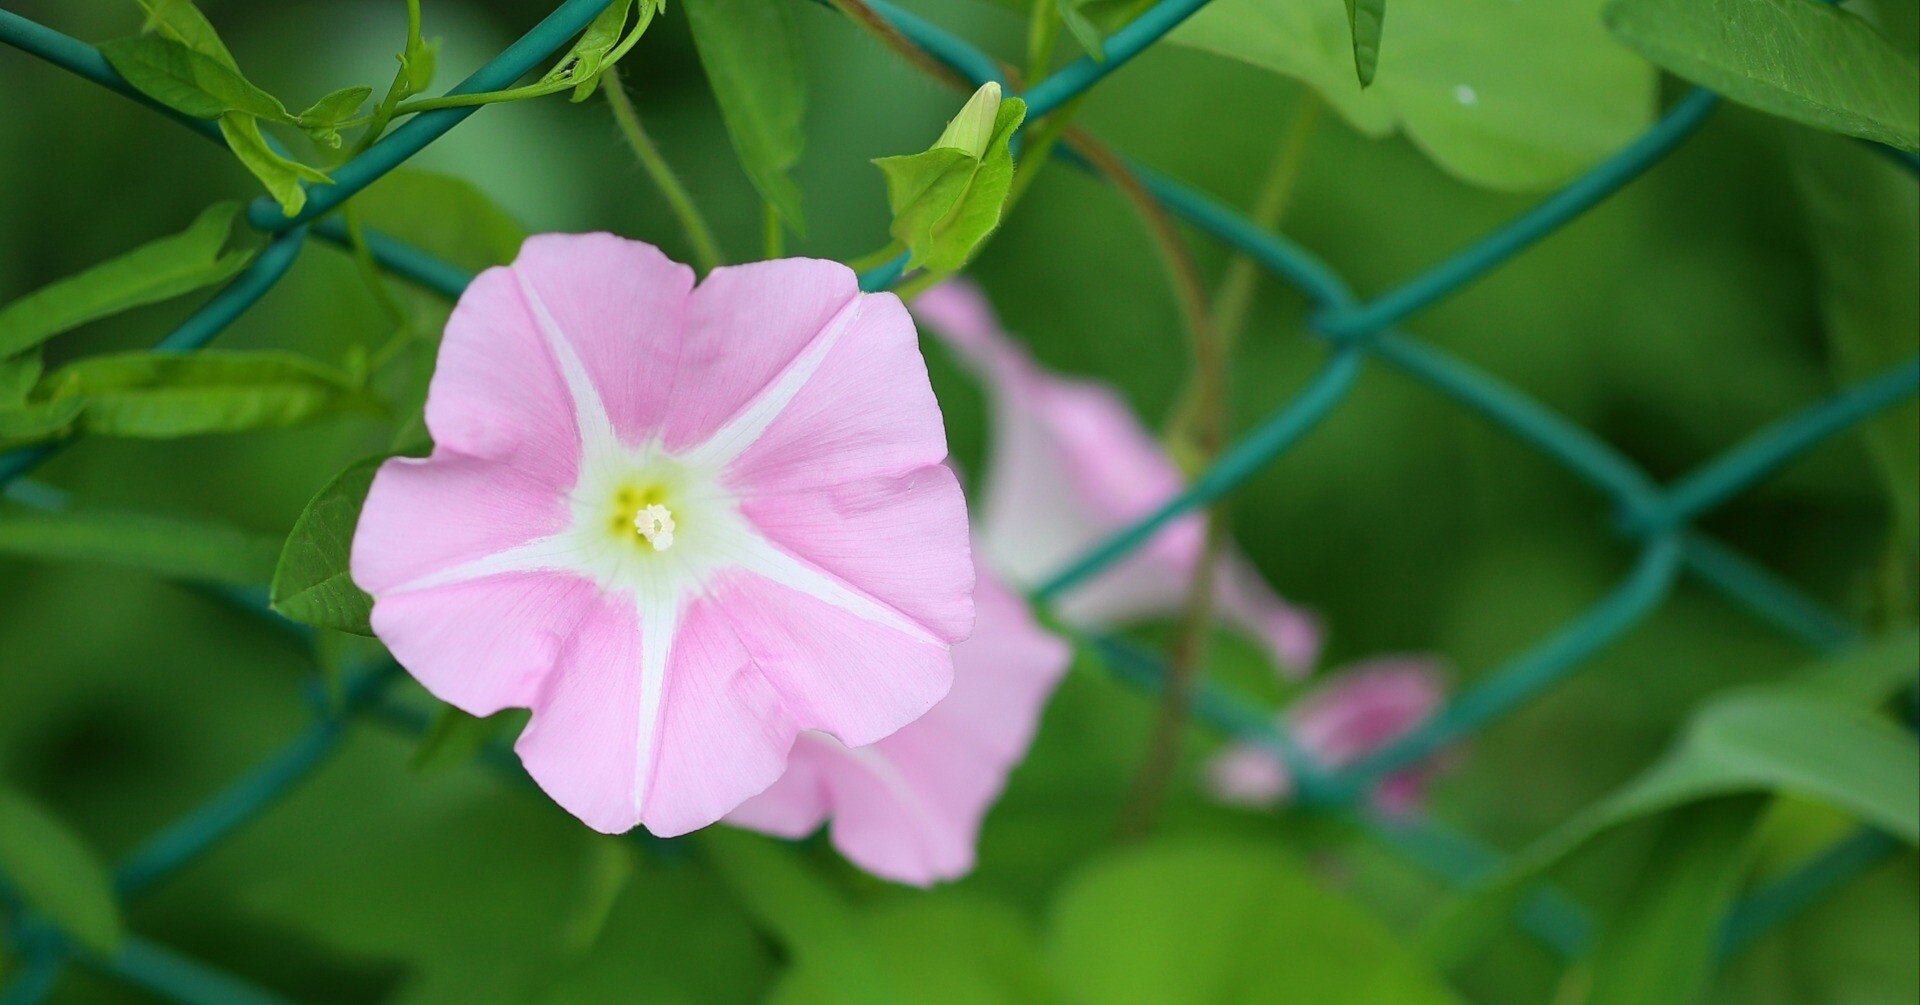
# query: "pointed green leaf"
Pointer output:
{"type": "Point", "coordinates": [944, 201]}
{"type": "Point", "coordinates": [1658, 945]}
{"type": "Point", "coordinates": [337, 106]}
{"type": "Point", "coordinates": [311, 584]}
{"type": "Point", "coordinates": [18, 374]}
{"type": "Point", "coordinates": [282, 177]}
{"type": "Point", "coordinates": [182, 22]}
{"type": "Point", "coordinates": [1083, 30]}
{"type": "Point", "coordinates": [1365, 18]}
{"type": "Point", "coordinates": [588, 56]}
{"type": "Point", "coordinates": [152, 272]}
{"type": "Point", "coordinates": [188, 81]}
{"type": "Point", "coordinates": [751, 57]}
{"type": "Point", "coordinates": [1813, 737]}
{"type": "Point", "coordinates": [166, 546]}
{"type": "Point", "coordinates": [56, 874]}
{"type": "Point", "coordinates": [1815, 63]}
{"type": "Point", "coordinates": [160, 396]}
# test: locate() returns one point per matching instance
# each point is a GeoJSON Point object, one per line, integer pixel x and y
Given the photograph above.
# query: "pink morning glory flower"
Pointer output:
{"type": "Point", "coordinates": [1358, 710]}
{"type": "Point", "coordinates": [908, 808]}
{"type": "Point", "coordinates": [680, 524]}
{"type": "Point", "coordinates": [1069, 464]}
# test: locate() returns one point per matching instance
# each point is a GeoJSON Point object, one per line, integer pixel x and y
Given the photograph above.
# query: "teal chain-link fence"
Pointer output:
{"type": "Point", "coordinates": [1658, 519]}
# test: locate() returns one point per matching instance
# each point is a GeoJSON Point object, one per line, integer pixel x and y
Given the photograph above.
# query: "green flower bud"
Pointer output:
{"type": "Point", "coordinates": [973, 127]}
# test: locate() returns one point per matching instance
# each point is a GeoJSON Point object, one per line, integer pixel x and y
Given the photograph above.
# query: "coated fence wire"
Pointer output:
{"type": "Point", "coordinates": [1658, 519]}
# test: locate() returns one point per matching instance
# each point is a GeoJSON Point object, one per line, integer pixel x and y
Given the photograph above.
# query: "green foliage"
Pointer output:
{"type": "Point", "coordinates": [1082, 28]}
{"type": "Point", "coordinates": [1225, 923]}
{"type": "Point", "coordinates": [192, 550]}
{"type": "Point", "coordinates": [1659, 944]}
{"type": "Point", "coordinates": [811, 921]}
{"type": "Point", "coordinates": [1814, 738]}
{"type": "Point", "coordinates": [322, 119]}
{"type": "Point", "coordinates": [52, 871]}
{"type": "Point", "coordinates": [311, 583]}
{"type": "Point", "coordinates": [282, 176]}
{"type": "Point", "coordinates": [455, 739]}
{"type": "Point", "coordinates": [443, 215]}
{"type": "Point", "coordinates": [1365, 19]}
{"type": "Point", "coordinates": [1863, 215]}
{"type": "Point", "coordinates": [941, 949]}
{"type": "Point", "coordinates": [1811, 62]}
{"type": "Point", "coordinates": [752, 61]}
{"type": "Point", "coordinates": [162, 395]}
{"type": "Point", "coordinates": [1502, 94]}
{"type": "Point", "coordinates": [948, 198]}
{"type": "Point", "coordinates": [152, 272]}
{"type": "Point", "coordinates": [189, 82]}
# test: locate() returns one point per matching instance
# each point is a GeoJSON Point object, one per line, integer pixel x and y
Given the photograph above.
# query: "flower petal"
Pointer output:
{"type": "Point", "coordinates": [865, 411]}
{"type": "Point", "coordinates": [579, 322]}
{"type": "Point", "coordinates": [1367, 706]}
{"type": "Point", "coordinates": [745, 325]}
{"type": "Point", "coordinates": [1071, 464]}
{"type": "Point", "coordinates": [901, 538]}
{"type": "Point", "coordinates": [909, 807]}
{"type": "Point", "coordinates": [622, 308]}
{"type": "Point", "coordinates": [427, 515]}
{"type": "Point", "coordinates": [842, 663]}
{"type": "Point", "coordinates": [485, 644]}
{"type": "Point", "coordinates": [723, 734]}
{"type": "Point", "coordinates": [580, 745]}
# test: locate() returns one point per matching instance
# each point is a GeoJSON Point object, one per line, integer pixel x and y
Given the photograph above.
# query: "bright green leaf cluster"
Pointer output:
{"type": "Point", "coordinates": [948, 198]}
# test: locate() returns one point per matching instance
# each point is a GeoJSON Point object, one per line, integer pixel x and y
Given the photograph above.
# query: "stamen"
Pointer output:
{"type": "Point", "coordinates": [655, 523]}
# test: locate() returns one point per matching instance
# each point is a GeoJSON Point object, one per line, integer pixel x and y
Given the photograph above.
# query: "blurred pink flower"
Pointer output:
{"type": "Point", "coordinates": [1069, 465]}
{"type": "Point", "coordinates": [1360, 709]}
{"type": "Point", "coordinates": [908, 807]}
{"type": "Point", "coordinates": [680, 524]}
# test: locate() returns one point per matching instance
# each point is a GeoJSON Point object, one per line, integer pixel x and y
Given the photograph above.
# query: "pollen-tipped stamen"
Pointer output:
{"type": "Point", "coordinates": [655, 523]}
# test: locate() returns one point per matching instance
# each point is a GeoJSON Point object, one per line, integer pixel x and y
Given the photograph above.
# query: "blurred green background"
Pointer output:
{"type": "Point", "coordinates": [1672, 320]}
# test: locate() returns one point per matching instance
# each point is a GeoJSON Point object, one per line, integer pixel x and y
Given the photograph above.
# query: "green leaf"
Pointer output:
{"type": "Point", "coordinates": [1814, 737]}
{"type": "Point", "coordinates": [18, 374]}
{"type": "Point", "coordinates": [749, 51]}
{"type": "Point", "coordinates": [161, 395]}
{"type": "Point", "coordinates": [182, 22]}
{"type": "Point", "coordinates": [311, 583]}
{"type": "Point", "coordinates": [282, 177]}
{"type": "Point", "coordinates": [941, 948]}
{"type": "Point", "coordinates": [1659, 944]}
{"type": "Point", "coordinates": [1501, 94]}
{"type": "Point", "coordinates": [188, 81]}
{"type": "Point", "coordinates": [946, 200]}
{"type": "Point", "coordinates": [322, 119]}
{"type": "Point", "coordinates": [809, 919]}
{"type": "Point", "coordinates": [454, 738]}
{"type": "Point", "coordinates": [32, 423]}
{"type": "Point", "coordinates": [1863, 214]}
{"type": "Point", "coordinates": [1365, 18]}
{"type": "Point", "coordinates": [1225, 922]}
{"type": "Point", "coordinates": [1814, 63]}
{"type": "Point", "coordinates": [1082, 29]}
{"type": "Point", "coordinates": [442, 214]}
{"type": "Point", "coordinates": [166, 546]}
{"type": "Point", "coordinates": [152, 272]}
{"type": "Point", "coordinates": [588, 56]}
{"type": "Point", "coordinates": [56, 874]}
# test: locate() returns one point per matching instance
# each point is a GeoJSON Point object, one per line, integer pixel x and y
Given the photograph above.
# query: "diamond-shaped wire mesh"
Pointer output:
{"type": "Point", "coordinates": [1657, 518]}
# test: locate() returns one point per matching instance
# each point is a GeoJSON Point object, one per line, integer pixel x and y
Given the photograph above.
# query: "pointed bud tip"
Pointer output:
{"type": "Point", "coordinates": [972, 129]}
